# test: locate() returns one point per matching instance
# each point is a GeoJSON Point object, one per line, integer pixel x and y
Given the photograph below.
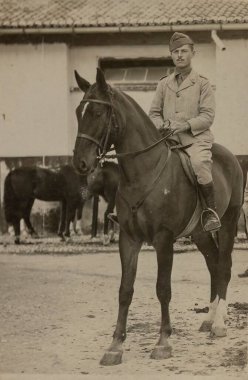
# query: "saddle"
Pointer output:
{"type": "Point", "coordinates": [188, 170]}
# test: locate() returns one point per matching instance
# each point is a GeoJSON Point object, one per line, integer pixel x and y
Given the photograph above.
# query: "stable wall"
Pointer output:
{"type": "Point", "coordinates": [230, 127]}
{"type": "Point", "coordinates": [34, 100]}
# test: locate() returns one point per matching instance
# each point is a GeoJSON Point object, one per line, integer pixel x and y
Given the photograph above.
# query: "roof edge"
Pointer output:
{"type": "Point", "coordinates": [123, 29]}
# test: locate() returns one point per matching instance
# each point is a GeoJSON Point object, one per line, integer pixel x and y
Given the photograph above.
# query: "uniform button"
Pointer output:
{"type": "Point", "coordinates": [178, 95]}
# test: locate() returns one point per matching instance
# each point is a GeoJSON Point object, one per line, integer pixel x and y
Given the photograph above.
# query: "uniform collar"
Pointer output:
{"type": "Point", "coordinates": [184, 73]}
{"type": "Point", "coordinates": [190, 80]}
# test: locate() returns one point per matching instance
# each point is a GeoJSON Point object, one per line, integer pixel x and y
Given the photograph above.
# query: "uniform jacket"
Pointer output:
{"type": "Point", "coordinates": [193, 101]}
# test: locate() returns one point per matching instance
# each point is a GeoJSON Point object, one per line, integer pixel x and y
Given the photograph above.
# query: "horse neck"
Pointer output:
{"type": "Point", "coordinates": [139, 133]}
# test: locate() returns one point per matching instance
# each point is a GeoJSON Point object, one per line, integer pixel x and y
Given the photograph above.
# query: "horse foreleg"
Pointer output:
{"type": "Point", "coordinates": [129, 251]}
{"type": "Point", "coordinates": [70, 216]}
{"type": "Point", "coordinates": [17, 229]}
{"type": "Point", "coordinates": [208, 248]}
{"type": "Point", "coordinates": [226, 242]}
{"type": "Point", "coordinates": [62, 219]}
{"type": "Point", "coordinates": [163, 243]}
{"type": "Point", "coordinates": [26, 218]}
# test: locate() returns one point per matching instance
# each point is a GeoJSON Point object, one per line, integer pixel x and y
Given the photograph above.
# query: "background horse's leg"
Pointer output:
{"type": "Point", "coordinates": [17, 229]}
{"type": "Point", "coordinates": [78, 218]}
{"type": "Point", "coordinates": [94, 216]}
{"type": "Point", "coordinates": [62, 219]}
{"type": "Point", "coordinates": [26, 218]}
{"type": "Point", "coordinates": [70, 216]}
{"type": "Point", "coordinates": [208, 248]}
{"type": "Point", "coordinates": [107, 222]}
{"type": "Point", "coordinates": [163, 243]}
{"type": "Point", "coordinates": [226, 240]}
{"type": "Point", "coordinates": [129, 251]}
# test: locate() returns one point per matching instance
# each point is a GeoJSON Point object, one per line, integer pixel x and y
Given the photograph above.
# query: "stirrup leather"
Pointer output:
{"type": "Point", "coordinates": [217, 224]}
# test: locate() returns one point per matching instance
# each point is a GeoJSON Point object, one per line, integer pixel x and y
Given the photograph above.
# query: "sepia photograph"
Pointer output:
{"type": "Point", "coordinates": [123, 189]}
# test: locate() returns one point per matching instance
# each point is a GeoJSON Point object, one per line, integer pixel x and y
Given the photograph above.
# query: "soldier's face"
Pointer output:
{"type": "Point", "coordinates": [182, 56]}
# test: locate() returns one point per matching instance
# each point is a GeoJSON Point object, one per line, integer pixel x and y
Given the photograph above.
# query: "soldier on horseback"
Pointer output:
{"type": "Point", "coordinates": [184, 102]}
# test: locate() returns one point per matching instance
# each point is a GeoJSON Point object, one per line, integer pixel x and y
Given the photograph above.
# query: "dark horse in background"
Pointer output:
{"type": "Point", "coordinates": [155, 201]}
{"type": "Point", "coordinates": [23, 185]}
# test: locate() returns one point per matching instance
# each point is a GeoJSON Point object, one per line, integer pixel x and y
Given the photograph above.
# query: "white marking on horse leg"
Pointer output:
{"type": "Point", "coordinates": [23, 230]}
{"type": "Point", "coordinates": [218, 327]}
{"type": "Point", "coordinates": [78, 227]}
{"type": "Point", "coordinates": [212, 310]}
{"type": "Point", "coordinates": [209, 318]}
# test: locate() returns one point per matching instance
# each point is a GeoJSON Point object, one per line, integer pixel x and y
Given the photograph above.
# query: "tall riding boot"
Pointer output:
{"type": "Point", "coordinates": [210, 219]}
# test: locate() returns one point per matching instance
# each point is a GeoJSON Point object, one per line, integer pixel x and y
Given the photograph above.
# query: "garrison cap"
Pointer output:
{"type": "Point", "coordinates": [178, 40]}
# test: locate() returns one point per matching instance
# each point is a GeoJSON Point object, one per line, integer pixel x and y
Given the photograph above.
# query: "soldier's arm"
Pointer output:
{"type": "Point", "coordinates": [156, 110]}
{"type": "Point", "coordinates": [205, 119]}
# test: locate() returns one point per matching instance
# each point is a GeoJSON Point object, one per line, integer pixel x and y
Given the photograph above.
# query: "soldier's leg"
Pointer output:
{"type": "Point", "coordinates": [201, 159]}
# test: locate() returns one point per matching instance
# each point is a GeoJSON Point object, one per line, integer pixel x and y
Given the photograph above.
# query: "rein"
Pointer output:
{"type": "Point", "coordinates": [103, 155]}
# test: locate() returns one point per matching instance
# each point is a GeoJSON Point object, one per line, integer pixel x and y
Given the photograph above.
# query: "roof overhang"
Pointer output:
{"type": "Point", "coordinates": [124, 29]}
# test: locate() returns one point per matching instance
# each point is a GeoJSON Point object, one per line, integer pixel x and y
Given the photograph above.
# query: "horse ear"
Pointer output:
{"type": "Point", "coordinates": [100, 80]}
{"type": "Point", "coordinates": [83, 84]}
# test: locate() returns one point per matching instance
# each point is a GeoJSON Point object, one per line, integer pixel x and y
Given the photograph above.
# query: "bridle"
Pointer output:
{"type": "Point", "coordinates": [103, 146]}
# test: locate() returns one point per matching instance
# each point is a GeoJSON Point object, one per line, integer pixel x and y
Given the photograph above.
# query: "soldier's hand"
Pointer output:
{"type": "Point", "coordinates": [165, 128]}
{"type": "Point", "coordinates": [180, 126]}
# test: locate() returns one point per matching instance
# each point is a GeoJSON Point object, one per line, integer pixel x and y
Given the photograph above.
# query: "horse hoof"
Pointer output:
{"type": "Point", "coordinates": [161, 352]}
{"type": "Point", "coordinates": [206, 326]}
{"type": "Point", "coordinates": [111, 358]}
{"type": "Point", "coordinates": [17, 241]}
{"type": "Point", "coordinates": [218, 332]}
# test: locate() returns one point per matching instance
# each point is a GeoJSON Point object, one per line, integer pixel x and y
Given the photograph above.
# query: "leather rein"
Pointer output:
{"type": "Point", "coordinates": [103, 146]}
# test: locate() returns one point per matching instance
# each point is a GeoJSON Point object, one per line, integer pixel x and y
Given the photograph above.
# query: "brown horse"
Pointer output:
{"type": "Point", "coordinates": [155, 200]}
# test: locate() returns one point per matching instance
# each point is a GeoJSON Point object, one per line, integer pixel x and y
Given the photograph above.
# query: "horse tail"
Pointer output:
{"type": "Point", "coordinates": [9, 199]}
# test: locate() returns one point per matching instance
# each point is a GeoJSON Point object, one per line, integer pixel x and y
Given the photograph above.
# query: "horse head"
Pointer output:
{"type": "Point", "coordinates": [97, 124]}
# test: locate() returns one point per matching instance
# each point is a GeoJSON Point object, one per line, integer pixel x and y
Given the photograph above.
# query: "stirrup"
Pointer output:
{"type": "Point", "coordinates": [113, 217]}
{"type": "Point", "coordinates": [217, 223]}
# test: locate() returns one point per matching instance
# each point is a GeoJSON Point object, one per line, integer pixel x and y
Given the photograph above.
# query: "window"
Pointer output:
{"type": "Point", "coordinates": [136, 74]}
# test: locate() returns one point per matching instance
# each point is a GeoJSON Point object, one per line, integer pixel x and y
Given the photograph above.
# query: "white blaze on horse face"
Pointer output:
{"type": "Point", "coordinates": [84, 109]}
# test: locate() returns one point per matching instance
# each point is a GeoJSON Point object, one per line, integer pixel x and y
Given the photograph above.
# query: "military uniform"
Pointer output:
{"type": "Point", "coordinates": [186, 100]}
{"type": "Point", "coordinates": [192, 101]}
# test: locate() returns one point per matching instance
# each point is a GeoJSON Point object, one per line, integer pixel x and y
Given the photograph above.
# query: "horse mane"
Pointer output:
{"type": "Point", "coordinates": [136, 108]}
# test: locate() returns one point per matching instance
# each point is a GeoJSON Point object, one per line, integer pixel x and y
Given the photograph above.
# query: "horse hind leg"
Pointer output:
{"type": "Point", "coordinates": [226, 241]}
{"type": "Point", "coordinates": [163, 243]}
{"type": "Point", "coordinates": [207, 246]}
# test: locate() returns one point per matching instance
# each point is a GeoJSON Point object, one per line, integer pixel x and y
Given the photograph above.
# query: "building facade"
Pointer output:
{"type": "Point", "coordinates": [43, 42]}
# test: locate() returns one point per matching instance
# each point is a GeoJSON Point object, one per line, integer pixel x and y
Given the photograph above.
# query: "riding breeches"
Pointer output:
{"type": "Point", "coordinates": [201, 160]}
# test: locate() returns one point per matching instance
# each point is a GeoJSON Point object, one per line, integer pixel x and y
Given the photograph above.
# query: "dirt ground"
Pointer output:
{"type": "Point", "coordinates": [58, 312]}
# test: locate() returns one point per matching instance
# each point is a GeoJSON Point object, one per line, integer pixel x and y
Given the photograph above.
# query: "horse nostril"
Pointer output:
{"type": "Point", "coordinates": [83, 165]}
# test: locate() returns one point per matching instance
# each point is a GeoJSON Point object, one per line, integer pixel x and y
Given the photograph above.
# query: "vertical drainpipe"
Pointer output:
{"type": "Point", "coordinates": [217, 40]}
